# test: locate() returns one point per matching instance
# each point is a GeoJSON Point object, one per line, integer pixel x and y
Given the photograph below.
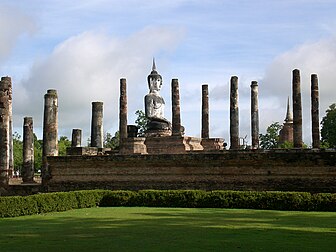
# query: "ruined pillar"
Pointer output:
{"type": "Point", "coordinates": [97, 135]}
{"type": "Point", "coordinates": [176, 111]}
{"type": "Point", "coordinates": [234, 114]}
{"type": "Point", "coordinates": [28, 150]}
{"type": "Point", "coordinates": [8, 83]}
{"type": "Point", "coordinates": [50, 128]}
{"type": "Point", "coordinates": [205, 111]}
{"type": "Point", "coordinates": [297, 110]}
{"type": "Point", "coordinates": [76, 138]}
{"type": "Point", "coordinates": [123, 111]}
{"type": "Point", "coordinates": [4, 133]}
{"type": "Point", "coordinates": [315, 111]}
{"type": "Point", "coordinates": [254, 115]}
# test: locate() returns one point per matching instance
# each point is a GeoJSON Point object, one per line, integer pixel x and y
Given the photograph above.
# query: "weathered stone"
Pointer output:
{"type": "Point", "coordinates": [286, 133]}
{"type": "Point", "coordinates": [8, 83]}
{"type": "Point", "coordinates": [4, 133]}
{"type": "Point", "coordinates": [254, 115]}
{"type": "Point", "coordinates": [134, 145]}
{"type": "Point", "coordinates": [123, 111]}
{"type": "Point", "coordinates": [28, 151]}
{"type": "Point", "coordinates": [97, 134]}
{"type": "Point", "coordinates": [82, 151]}
{"type": "Point", "coordinates": [234, 114]}
{"type": "Point", "coordinates": [205, 111]}
{"type": "Point", "coordinates": [176, 110]}
{"type": "Point", "coordinates": [76, 138]}
{"type": "Point", "coordinates": [212, 144]}
{"type": "Point", "coordinates": [315, 111]}
{"type": "Point", "coordinates": [172, 144]}
{"type": "Point", "coordinates": [297, 110]}
{"type": "Point", "coordinates": [279, 170]}
{"type": "Point", "coordinates": [50, 130]}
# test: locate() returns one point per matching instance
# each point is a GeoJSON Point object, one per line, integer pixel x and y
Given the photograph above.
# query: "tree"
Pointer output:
{"type": "Point", "coordinates": [328, 127]}
{"type": "Point", "coordinates": [111, 141]}
{"type": "Point", "coordinates": [38, 145]}
{"type": "Point", "coordinates": [141, 122]}
{"type": "Point", "coordinates": [17, 152]}
{"type": "Point", "coordinates": [63, 143]}
{"type": "Point", "coordinates": [271, 139]}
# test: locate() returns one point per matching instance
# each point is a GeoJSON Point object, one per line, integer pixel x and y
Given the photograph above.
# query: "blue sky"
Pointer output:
{"type": "Point", "coordinates": [82, 49]}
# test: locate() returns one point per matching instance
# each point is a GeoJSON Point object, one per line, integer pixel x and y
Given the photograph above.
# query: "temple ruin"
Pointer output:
{"type": "Point", "coordinates": [164, 158]}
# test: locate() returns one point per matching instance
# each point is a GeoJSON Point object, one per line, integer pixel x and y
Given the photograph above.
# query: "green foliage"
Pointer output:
{"type": "Point", "coordinates": [141, 122]}
{"type": "Point", "coordinates": [286, 145]}
{"type": "Point", "coordinates": [62, 201]}
{"type": "Point", "coordinates": [328, 127]}
{"type": "Point", "coordinates": [17, 152]}
{"type": "Point", "coordinates": [49, 202]}
{"type": "Point", "coordinates": [63, 144]}
{"type": "Point", "coordinates": [38, 145]}
{"type": "Point", "coordinates": [271, 139]}
{"type": "Point", "coordinates": [112, 141]}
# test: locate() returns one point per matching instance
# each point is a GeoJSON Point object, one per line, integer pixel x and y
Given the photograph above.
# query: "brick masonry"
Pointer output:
{"type": "Point", "coordinates": [285, 170]}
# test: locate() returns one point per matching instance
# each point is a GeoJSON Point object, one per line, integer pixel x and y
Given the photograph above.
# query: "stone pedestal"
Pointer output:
{"type": "Point", "coordinates": [82, 151]}
{"type": "Point", "coordinates": [172, 144]}
{"type": "Point", "coordinates": [212, 144]}
{"type": "Point", "coordinates": [134, 145]}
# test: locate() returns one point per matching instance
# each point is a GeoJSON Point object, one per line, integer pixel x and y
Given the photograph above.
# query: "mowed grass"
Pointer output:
{"type": "Point", "coordinates": [170, 229]}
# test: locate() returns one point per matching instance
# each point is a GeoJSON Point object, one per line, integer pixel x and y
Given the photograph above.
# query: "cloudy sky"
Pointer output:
{"type": "Point", "coordinates": [82, 48]}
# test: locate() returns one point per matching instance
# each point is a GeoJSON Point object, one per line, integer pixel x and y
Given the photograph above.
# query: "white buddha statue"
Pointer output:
{"type": "Point", "coordinates": [154, 102]}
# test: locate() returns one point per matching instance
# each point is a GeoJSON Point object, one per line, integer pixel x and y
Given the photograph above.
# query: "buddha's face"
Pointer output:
{"type": "Point", "coordinates": [155, 84]}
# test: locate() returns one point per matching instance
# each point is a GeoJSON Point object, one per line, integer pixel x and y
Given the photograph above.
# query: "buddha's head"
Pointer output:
{"type": "Point", "coordinates": [154, 79]}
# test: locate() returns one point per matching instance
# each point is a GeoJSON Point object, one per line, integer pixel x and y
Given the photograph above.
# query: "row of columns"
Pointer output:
{"type": "Point", "coordinates": [297, 112]}
{"type": "Point", "coordinates": [50, 122]}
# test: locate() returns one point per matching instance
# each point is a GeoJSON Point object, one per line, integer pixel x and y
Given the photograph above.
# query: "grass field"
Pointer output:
{"type": "Point", "coordinates": [170, 229]}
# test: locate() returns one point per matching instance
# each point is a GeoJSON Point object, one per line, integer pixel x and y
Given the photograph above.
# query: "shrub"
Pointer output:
{"type": "Point", "coordinates": [62, 201]}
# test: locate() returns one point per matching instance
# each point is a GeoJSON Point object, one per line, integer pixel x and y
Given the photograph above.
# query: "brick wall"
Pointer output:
{"type": "Point", "coordinates": [285, 170]}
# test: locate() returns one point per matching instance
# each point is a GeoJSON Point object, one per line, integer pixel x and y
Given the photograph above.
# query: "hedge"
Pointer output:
{"type": "Point", "coordinates": [61, 201]}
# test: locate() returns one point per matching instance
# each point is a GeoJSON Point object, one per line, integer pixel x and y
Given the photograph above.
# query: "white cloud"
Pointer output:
{"type": "Point", "coordinates": [87, 68]}
{"type": "Point", "coordinates": [318, 57]}
{"type": "Point", "coordinates": [13, 23]}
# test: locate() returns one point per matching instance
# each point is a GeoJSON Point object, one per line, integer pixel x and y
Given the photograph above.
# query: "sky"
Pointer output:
{"type": "Point", "coordinates": [82, 48]}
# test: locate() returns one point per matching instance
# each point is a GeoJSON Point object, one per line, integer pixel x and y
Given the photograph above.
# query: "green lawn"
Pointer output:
{"type": "Point", "coordinates": [170, 229]}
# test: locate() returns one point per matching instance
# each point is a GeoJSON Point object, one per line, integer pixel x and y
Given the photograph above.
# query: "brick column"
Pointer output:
{"type": "Point", "coordinates": [234, 114]}
{"type": "Point", "coordinates": [123, 111]}
{"type": "Point", "coordinates": [28, 150]}
{"type": "Point", "coordinates": [97, 134]}
{"type": "Point", "coordinates": [76, 138]}
{"type": "Point", "coordinates": [176, 112]}
{"type": "Point", "coordinates": [4, 133]}
{"type": "Point", "coordinates": [254, 115]}
{"type": "Point", "coordinates": [50, 128]}
{"type": "Point", "coordinates": [315, 111]}
{"type": "Point", "coordinates": [297, 110]}
{"type": "Point", "coordinates": [8, 83]}
{"type": "Point", "coordinates": [205, 111]}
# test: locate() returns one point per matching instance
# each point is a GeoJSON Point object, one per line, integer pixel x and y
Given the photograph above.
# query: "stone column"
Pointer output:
{"type": "Point", "coordinates": [176, 111]}
{"type": "Point", "coordinates": [234, 114]}
{"type": "Point", "coordinates": [205, 111]}
{"type": "Point", "coordinates": [123, 111]}
{"type": "Point", "coordinates": [97, 134]}
{"type": "Point", "coordinates": [315, 111]}
{"type": "Point", "coordinates": [4, 133]}
{"type": "Point", "coordinates": [254, 115]}
{"type": "Point", "coordinates": [297, 110]}
{"type": "Point", "coordinates": [8, 83]}
{"type": "Point", "coordinates": [28, 150]}
{"type": "Point", "coordinates": [76, 138]}
{"type": "Point", "coordinates": [50, 128]}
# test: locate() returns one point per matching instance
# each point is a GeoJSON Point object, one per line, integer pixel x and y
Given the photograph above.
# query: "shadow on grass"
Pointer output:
{"type": "Point", "coordinates": [170, 229]}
